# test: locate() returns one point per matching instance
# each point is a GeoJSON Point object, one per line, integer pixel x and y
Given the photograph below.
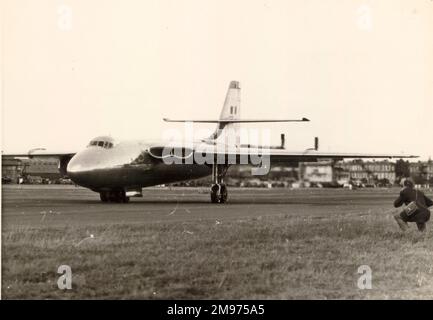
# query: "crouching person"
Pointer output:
{"type": "Point", "coordinates": [416, 209]}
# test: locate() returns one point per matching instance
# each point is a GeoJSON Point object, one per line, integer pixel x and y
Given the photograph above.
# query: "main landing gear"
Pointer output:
{"type": "Point", "coordinates": [218, 191]}
{"type": "Point", "coordinates": [115, 195]}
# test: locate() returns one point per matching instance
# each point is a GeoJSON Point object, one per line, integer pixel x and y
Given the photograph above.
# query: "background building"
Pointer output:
{"type": "Point", "coordinates": [370, 172]}
{"type": "Point", "coordinates": [11, 169]}
{"type": "Point", "coordinates": [32, 170]}
{"type": "Point", "coordinates": [322, 173]}
{"type": "Point", "coordinates": [421, 172]}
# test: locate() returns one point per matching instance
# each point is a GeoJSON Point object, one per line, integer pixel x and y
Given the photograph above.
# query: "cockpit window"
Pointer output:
{"type": "Point", "coordinates": [104, 142]}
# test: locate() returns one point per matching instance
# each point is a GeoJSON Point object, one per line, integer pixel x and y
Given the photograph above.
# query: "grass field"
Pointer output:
{"type": "Point", "coordinates": [283, 256]}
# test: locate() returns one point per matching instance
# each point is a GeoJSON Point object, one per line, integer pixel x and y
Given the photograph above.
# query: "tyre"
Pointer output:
{"type": "Point", "coordinates": [223, 194]}
{"type": "Point", "coordinates": [214, 193]}
{"type": "Point", "coordinates": [103, 196]}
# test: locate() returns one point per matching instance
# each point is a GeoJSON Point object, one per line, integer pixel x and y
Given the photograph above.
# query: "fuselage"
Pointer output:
{"type": "Point", "coordinates": [104, 165]}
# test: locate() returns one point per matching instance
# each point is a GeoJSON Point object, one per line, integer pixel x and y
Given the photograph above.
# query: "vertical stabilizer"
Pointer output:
{"type": "Point", "coordinates": [230, 132]}
{"type": "Point", "coordinates": [232, 103]}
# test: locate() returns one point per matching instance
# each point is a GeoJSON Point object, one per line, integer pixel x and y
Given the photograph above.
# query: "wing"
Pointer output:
{"type": "Point", "coordinates": [206, 151]}
{"type": "Point", "coordinates": [287, 156]}
{"type": "Point", "coordinates": [39, 153]}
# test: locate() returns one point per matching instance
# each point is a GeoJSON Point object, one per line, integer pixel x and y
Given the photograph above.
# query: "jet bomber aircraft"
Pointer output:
{"type": "Point", "coordinates": [118, 170]}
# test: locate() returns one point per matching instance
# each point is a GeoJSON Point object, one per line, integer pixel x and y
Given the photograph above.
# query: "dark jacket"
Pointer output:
{"type": "Point", "coordinates": [409, 194]}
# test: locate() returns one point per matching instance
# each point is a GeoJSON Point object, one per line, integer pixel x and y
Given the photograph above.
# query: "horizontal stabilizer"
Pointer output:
{"type": "Point", "coordinates": [239, 120]}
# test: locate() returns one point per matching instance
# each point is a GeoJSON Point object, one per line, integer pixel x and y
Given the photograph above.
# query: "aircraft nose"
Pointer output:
{"type": "Point", "coordinates": [76, 165]}
{"type": "Point", "coordinates": [75, 169]}
{"type": "Point", "coordinates": [84, 161]}
{"type": "Point", "coordinates": [81, 165]}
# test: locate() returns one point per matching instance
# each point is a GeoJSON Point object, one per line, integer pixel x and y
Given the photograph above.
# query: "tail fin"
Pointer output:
{"type": "Point", "coordinates": [232, 104]}
{"type": "Point", "coordinates": [231, 111]}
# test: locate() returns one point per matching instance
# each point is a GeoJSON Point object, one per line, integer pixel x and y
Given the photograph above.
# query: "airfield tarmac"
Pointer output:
{"type": "Point", "coordinates": [59, 205]}
{"type": "Point", "coordinates": [173, 243]}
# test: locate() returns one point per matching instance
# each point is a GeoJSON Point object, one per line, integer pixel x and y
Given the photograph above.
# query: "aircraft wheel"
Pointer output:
{"type": "Point", "coordinates": [112, 196]}
{"type": "Point", "coordinates": [121, 196]}
{"type": "Point", "coordinates": [214, 193]}
{"type": "Point", "coordinates": [103, 196]}
{"type": "Point", "coordinates": [117, 196]}
{"type": "Point", "coordinates": [223, 194]}
{"type": "Point", "coordinates": [218, 193]}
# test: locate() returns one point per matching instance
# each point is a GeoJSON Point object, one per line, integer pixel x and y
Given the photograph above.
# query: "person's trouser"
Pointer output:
{"type": "Point", "coordinates": [420, 217]}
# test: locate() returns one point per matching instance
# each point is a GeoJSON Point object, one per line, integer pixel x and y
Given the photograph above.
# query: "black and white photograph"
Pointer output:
{"type": "Point", "coordinates": [216, 150]}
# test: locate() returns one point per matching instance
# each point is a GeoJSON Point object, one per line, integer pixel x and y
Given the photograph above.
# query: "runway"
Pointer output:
{"type": "Point", "coordinates": [175, 244]}
{"type": "Point", "coordinates": [34, 205]}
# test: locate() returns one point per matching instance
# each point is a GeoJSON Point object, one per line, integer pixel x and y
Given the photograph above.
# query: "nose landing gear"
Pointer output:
{"type": "Point", "coordinates": [114, 195]}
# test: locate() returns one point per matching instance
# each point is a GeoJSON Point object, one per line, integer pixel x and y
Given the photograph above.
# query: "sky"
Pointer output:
{"type": "Point", "coordinates": [361, 71]}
